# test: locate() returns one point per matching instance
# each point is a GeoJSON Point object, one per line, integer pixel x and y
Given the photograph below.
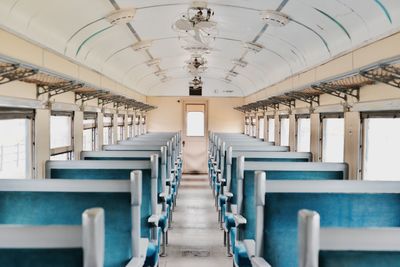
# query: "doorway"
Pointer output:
{"type": "Point", "coordinates": [195, 138]}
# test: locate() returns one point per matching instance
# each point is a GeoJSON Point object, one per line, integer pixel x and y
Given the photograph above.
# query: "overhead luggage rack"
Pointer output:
{"type": "Point", "coordinates": [52, 84]}
{"type": "Point", "coordinates": [344, 87]}
{"type": "Point", "coordinates": [13, 72]}
{"type": "Point", "coordinates": [87, 93]}
{"type": "Point", "coordinates": [384, 73]}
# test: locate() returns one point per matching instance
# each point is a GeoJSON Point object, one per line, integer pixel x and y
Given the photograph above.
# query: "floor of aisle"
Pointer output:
{"type": "Point", "coordinates": [195, 238]}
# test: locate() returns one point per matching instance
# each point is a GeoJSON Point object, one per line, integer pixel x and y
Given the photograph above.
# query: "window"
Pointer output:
{"type": "Point", "coordinates": [121, 126]}
{"type": "Point", "coordinates": [271, 130]}
{"type": "Point", "coordinates": [89, 131]}
{"type": "Point", "coordinates": [284, 131]}
{"type": "Point", "coordinates": [107, 130]}
{"type": "Point", "coordinates": [195, 123]}
{"type": "Point", "coordinates": [15, 147]}
{"type": "Point", "coordinates": [61, 135]}
{"type": "Point", "coordinates": [333, 140]}
{"type": "Point", "coordinates": [303, 135]}
{"type": "Point", "coordinates": [130, 126]}
{"type": "Point", "coordinates": [381, 148]}
{"type": "Point", "coordinates": [261, 128]}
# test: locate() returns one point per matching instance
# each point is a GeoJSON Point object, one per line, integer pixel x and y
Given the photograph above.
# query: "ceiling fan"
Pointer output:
{"type": "Point", "coordinates": [197, 24]}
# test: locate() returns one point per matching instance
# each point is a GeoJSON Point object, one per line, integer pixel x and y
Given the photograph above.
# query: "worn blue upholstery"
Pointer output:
{"type": "Point", "coordinates": [336, 210]}
{"type": "Point", "coordinates": [234, 170]}
{"type": "Point", "coordinates": [116, 174]}
{"type": "Point", "coordinates": [248, 209]}
{"type": "Point", "coordinates": [66, 208]}
{"type": "Point", "coordinates": [359, 259]}
{"type": "Point", "coordinates": [159, 181]}
{"type": "Point", "coordinates": [41, 257]}
{"type": "Point", "coordinates": [151, 255]}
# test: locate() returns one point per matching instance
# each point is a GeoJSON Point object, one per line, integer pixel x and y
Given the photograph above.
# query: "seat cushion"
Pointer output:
{"type": "Point", "coordinates": [229, 221]}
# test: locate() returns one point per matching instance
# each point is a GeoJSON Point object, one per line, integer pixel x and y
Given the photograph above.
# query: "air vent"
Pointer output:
{"type": "Point", "coordinates": [275, 18]}
{"type": "Point", "coordinates": [253, 47]}
{"type": "Point", "coordinates": [153, 62]}
{"type": "Point", "coordinates": [122, 16]}
{"type": "Point", "coordinates": [228, 91]}
{"type": "Point", "coordinates": [228, 80]}
{"type": "Point", "coordinates": [233, 73]}
{"type": "Point", "coordinates": [240, 62]}
{"type": "Point", "coordinates": [160, 73]}
{"type": "Point", "coordinates": [142, 45]}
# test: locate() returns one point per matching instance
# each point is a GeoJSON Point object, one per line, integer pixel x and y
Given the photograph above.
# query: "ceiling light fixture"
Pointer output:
{"type": "Point", "coordinates": [142, 45]}
{"type": "Point", "coordinates": [275, 18]}
{"type": "Point", "coordinates": [122, 16]}
{"type": "Point", "coordinates": [253, 47]}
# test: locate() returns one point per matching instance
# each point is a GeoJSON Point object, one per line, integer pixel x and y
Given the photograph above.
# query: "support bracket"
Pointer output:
{"type": "Point", "coordinates": [57, 89]}
{"type": "Point", "coordinates": [384, 73]}
{"type": "Point", "coordinates": [340, 91]}
{"type": "Point", "coordinates": [12, 72]}
{"type": "Point", "coordinates": [307, 98]}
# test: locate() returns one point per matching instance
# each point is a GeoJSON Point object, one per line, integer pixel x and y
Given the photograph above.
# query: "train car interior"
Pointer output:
{"type": "Point", "coordinates": [154, 133]}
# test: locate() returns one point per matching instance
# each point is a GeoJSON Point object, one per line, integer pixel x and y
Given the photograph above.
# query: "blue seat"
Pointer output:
{"type": "Point", "coordinates": [281, 171]}
{"type": "Point", "coordinates": [35, 203]}
{"type": "Point", "coordinates": [111, 170]}
{"type": "Point", "coordinates": [339, 208]}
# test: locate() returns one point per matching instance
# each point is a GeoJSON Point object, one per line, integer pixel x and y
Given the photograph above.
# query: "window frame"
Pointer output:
{"type": "Point", "coordinates": [296, 133]}
{"type": "Point", "coordinates": [30, 115]}
{"type": "Point", "coordinates": [286, 116]}
{"type": "Point", "coordinates": [323, 116]}
{"type": "Point", "coordinates": [93, 127]}
{"type": "Point", "coordinates": [108, 126]}
{"type": "Point", "coordinates": [371, 115]}
{"type": "Point", "coordinates": [69, 150]}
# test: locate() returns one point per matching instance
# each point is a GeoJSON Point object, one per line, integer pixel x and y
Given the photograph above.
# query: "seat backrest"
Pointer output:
{"type": "Point", "coordinates": [279, 171]}
{"type": "Point", "coordinates": [260, 156]}
{"type": "Point", "coordinates": [61, 202]}
{"type": "Point", "coordinates": [113, 170]}
{"type": "Point", "coordinates": [340, 204]}
{"type": "Point", "coordinates": [133, 156]}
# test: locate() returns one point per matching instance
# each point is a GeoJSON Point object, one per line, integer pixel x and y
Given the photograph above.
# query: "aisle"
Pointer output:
{"type": "Point", "coordinates": [195, 239]}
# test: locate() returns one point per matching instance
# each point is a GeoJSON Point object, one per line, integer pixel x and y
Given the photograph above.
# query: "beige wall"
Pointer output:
{"type": "Point", "coordinates": [169, 114]}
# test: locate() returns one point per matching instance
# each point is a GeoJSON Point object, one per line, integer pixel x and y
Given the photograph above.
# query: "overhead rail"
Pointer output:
{"type": "Point", "coordinates": [52, 84]}
{"type": "Point", "coordinates": [344, 87]}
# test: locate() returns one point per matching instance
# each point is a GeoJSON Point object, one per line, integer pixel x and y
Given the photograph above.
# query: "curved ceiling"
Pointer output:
{"type": "Point", "coordinates": [317, 30]}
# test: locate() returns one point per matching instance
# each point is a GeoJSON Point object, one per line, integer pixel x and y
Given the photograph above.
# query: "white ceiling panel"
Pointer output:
{"type": "Point", "coordinates": [316, 30]}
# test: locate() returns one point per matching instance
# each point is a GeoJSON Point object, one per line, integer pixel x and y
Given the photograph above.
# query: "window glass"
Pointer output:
{"type": "Point", "coordinates": [381, 149]}
{"type": "Point", "coordinates": [107, 130]}
{"type": "Point", "coordinates": [195, 123]}
{"type": "Point", "coordinates": [303, 135]}
{"type": "Point", "coordinates": [271, 130]}
{"type": "Point", "coordinates": [284, 131]}
{"type": "Point", "coordinates": [89, 134]}
{"type": "Point", "coordinates": [333, 140]}
{"type": "Point", "coordinates": [261, 128]}
{"type": "Point", "coordinates": [63, 156]}
{"type": "Point", "coordinates": [60, 131]}
{"type": "Point", "coordinates": [15, 148]}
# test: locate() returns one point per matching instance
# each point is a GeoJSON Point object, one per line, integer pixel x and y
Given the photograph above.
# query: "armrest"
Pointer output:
{"type": "Point", "coordinates": [228, 194]}
{"type": "Point", "coordinates": [162, 196]}
{"type": "Point", "coordinates": [138, 261]}
{"type": "Point", "coordinates": [153, 219]}
{"type": "Point", "coordinates": [250, 246]}
{"type": "Point", "coordinates": [259, 262]}
{"type": "Point", "coordinates": [239, 219]}
{"type": "Point", "coordinates": [234, 208]}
